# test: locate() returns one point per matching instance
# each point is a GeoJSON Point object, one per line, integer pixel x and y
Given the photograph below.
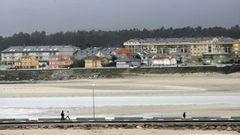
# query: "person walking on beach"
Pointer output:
{"type": "Point", "coordinates": [67, 117]}
{"type": "Point", "coordinates": [62, 115]}
{"type": "Point", "coordinates": [184, 115]}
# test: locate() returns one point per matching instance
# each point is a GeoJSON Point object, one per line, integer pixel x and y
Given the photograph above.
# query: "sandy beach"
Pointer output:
{"type": "Point", "coordinates": [208, 84]}
{"type": "Point", "coordinates": [204, 84]}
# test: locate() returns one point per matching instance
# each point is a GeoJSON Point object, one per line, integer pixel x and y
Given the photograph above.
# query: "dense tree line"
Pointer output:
{"type": "Point", "coordinates": [100, 38]}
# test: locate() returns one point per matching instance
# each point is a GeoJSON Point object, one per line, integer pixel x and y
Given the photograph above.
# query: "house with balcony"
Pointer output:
{"type": "Point", "coordinates": [26, 62]}
{"type": "Point", "coordinates": [60, 61]}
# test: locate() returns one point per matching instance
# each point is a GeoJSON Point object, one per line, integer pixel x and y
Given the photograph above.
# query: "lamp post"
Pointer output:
{"type": "Point", "coordinates": [93, 99]}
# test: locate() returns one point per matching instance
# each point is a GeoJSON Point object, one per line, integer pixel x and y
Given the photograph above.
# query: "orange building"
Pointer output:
{"type": "Point", "coordinates": [123, 51]}
{"type": "Point", "coordinates": [26, 62]}
{"type": "Point", "coordinates": [60, 61]}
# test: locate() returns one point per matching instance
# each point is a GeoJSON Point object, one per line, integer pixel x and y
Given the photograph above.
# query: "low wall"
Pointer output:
{"type": "Point", "coordinates": [66, 74]}
{"type": "Point", "coordinates": [169, 125]}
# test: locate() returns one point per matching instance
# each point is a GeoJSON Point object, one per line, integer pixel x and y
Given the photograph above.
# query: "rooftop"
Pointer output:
{"type": "Point", "coordinates": [187, 39]}
{"type": "Point", "coordinates": [51, 48]}
{"type": "Point", "coordinates": [95, 51]}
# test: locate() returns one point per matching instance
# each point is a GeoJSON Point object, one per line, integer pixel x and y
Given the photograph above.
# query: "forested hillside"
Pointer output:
{"type": "Point", "coordinates": [99, 38]}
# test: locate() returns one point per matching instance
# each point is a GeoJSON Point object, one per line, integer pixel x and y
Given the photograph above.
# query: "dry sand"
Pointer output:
{"type": "Point", "coordinates": [147, 85]}
{"type": "Point", "coordinates": [113, 132]}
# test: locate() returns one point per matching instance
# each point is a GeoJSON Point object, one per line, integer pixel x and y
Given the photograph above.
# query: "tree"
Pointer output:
{"type": "Point", "coordinates": [38, 38]}
{"type": "Point", "coordinates": [78, 63]}
{"type": "Point", "coordinates": [100, 38]}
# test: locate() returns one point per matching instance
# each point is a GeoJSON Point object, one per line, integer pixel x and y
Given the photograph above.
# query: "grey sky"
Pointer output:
{"type": "Point", "coordinates": [71, 15]}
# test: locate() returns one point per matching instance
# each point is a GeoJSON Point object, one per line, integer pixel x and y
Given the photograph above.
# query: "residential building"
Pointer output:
{"type": "Point", "coordinates": [42, 53]}
{"type": "Point", "coordinates": [93, 62]}
{"type": "Point", "coordinates": [60, 61]}
{"type": "Point", "coordinates": [127, 62]}
{"type": "Point", "coordinates": [88, 52]}
{"type": "Point", "coordinates": [236, 47]}
{"type": "Point", "coordinates": [26, 62]}
{"type": "Point", "coordinates": [163, 60]}
{"type": "Point", "coordinates": [194, 47]}
{"type": "Point", "coordinates": [94, 51]}
{"type": "Point", "coordinates": [123, 51]}
{"type": "Point", "coordinates": [105, 59]}
{"type": "Point", "coordinates": [236, 50]}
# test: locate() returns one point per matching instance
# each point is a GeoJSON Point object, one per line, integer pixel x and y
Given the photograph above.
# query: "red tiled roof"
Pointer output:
{"type": "Point", "coordinates": [123, 51]}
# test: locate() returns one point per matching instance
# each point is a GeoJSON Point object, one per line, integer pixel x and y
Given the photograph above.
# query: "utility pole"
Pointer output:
{"type": "Point", "coordinates": [94, 113]}
{"type": "Point", "coordinates": [93, 99]}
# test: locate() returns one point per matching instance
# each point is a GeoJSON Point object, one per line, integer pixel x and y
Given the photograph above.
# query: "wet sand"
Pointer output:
{"type": "Point", "coordinates": [225, 111]}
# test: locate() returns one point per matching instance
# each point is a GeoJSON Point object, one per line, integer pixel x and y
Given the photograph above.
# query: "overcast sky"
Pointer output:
{"type": "Point", "coordinates": [72, 15]}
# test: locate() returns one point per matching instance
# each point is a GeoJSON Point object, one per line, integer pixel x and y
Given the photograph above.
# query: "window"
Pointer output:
{"type": "Point", "coordinates": [183, 50]}
{"type": "Point", "coordinates": [209, 48]}
{"type": "Point", "coordinates": [226, 49]}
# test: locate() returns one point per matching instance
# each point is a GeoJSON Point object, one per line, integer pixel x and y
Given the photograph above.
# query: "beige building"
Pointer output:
{"type": "Point", "coordinates": [236, 46]}
{"type": "Point", "coordinates": [195, 47]}
{"type": "Point", "coordinates": [93, 62]}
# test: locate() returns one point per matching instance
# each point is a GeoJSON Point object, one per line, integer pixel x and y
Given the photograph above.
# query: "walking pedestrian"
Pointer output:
{"type": "Point", "coordinates": [67, 117]}
{"type": "Point", "coordinates": [62, 115]}
{"type": "Point", "coordinates": [184, 115]}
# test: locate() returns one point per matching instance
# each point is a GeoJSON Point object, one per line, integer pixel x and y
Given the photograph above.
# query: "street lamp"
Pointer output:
{"type": "Point", "coordinates": [93, 99]}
